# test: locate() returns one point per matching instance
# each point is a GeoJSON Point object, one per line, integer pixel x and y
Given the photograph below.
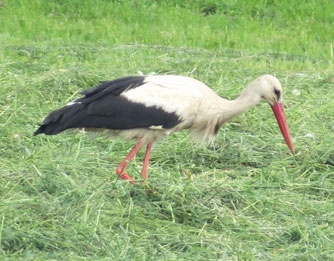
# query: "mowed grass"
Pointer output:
{"type": "Point", "coordinates": [246, 198]}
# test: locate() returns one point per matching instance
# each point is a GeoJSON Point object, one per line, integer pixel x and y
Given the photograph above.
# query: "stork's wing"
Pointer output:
{"type": "Point", "coordinates": [127, 103]}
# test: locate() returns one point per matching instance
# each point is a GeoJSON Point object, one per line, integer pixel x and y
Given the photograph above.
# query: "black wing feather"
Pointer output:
{"type": "Point", "coordinates": [103, 107]}
{"type": "Point", "coordinates": [116, 87]}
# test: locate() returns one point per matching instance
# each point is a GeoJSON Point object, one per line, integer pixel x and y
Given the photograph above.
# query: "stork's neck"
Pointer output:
{"type": "Point", "coordinates": [249, 98]}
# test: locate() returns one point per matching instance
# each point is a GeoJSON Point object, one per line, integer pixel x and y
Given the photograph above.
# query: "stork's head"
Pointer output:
{"type": "Point", "coordinates": [270, 89]}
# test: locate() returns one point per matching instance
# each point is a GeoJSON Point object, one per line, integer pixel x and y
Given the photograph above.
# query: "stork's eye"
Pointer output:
{"type": "Point", "coordinates": [278, 93]}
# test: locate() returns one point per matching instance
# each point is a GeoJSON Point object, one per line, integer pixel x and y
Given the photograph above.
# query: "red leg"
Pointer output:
{"type": "Point", "coordinates": [146, 161]}
{"type": "Point", "coordinates": [120, 171]}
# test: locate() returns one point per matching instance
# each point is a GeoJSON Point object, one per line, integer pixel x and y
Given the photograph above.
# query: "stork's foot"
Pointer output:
{"type": "Point", "coordinates": [126, 176]}
{"type": "Point", "coordinates": [120, 171]}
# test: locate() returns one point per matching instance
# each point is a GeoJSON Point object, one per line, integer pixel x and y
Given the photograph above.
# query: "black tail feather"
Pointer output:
{"type": "Point", "coordinates": [58, 121]}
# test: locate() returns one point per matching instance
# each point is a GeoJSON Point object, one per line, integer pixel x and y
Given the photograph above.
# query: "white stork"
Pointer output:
{"type": "Point", "coordinates": [148, 108]}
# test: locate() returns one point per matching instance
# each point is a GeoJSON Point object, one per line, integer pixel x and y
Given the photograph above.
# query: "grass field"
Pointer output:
{"type": "Point", "coordinates": [246, 198]}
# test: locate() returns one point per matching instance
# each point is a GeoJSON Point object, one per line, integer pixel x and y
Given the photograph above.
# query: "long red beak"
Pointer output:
{"type": "Point", "coordinates": [278, 110]}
